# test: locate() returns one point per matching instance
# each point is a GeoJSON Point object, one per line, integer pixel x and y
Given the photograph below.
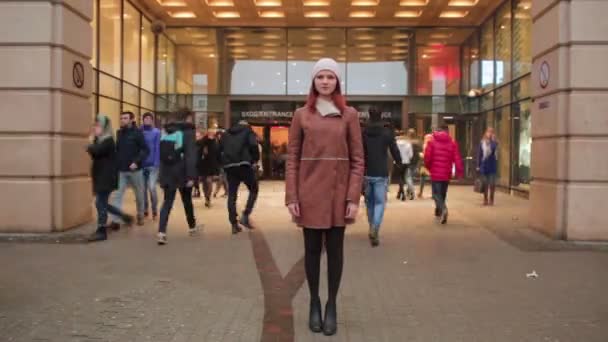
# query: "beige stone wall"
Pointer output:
{"type": "Point", "coordinates": [570, 120]}
{"type": "Point", "coordinates": [45, 118]}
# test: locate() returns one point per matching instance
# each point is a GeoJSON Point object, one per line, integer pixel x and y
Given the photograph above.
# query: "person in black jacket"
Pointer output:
{"type": "Point", "coordinates": [377, 139]}
{"type": "Point", "coordinates": [209, 166]}
{"type": "Point", "coordinates": [104, 172]}
{"type": "Point", "coordinates": [239, 155]}
{"type": "Point", "coordinates": [179, 174]}
{"type": "Point", "coordinates": [131, 151]}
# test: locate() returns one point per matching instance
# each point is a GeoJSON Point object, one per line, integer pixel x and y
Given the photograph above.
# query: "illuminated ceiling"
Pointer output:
{"type": "Point", "coordinates": [326, 13]}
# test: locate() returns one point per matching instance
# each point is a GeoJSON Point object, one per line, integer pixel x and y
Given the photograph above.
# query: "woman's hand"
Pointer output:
{"type": "Point", "coordinates": [294, 209]}
{"type": "Point", "coordinates": [351, 210]}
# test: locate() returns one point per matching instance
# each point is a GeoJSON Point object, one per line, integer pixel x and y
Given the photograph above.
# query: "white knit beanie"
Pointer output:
{"type": "Point", "coordinates": [326, 64]}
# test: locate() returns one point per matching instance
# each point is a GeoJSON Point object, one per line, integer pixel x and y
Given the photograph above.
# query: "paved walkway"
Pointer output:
{"type": "Point", "coordinates": [465, 281]}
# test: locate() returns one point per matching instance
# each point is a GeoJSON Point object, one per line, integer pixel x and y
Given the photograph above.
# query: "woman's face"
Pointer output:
{"type": "Point", "coordinates": [325, 82]}
{"type": "Point", "coordinates": [97, 129]}
{"type": "Point", "coordinates": [490, 133]}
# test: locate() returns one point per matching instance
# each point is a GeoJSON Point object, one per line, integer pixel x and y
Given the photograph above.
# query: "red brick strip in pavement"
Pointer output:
{"type": "Point", "coordinates": [278, 291]}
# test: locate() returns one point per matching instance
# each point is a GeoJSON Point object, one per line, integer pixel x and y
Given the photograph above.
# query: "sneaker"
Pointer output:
{"type": "Point", "coordinates": [370, 235]}
{"type": "Point", "coordinates": [193, 230]}
{"type": "Point", "coordinates": [162, 238]}
{"type": "Point", "coordinates": [246, 222]}
{"type": "Point", "coordinates": [236, 229]}
{"type": "Point", "coordinates": [140, 220]}
{"type": "Point", "coordinates": [208, 204]}
{"type": "Point", "coordinates": [128, 220]}
{"type": "Point", "coordinates": [375, 239]}
{"type": "Point", "coordinates": [444, 216]}
{"type": "Point", "coordinates": [145, 214]}
{"type": "Point", "coordinates": [411, 196]}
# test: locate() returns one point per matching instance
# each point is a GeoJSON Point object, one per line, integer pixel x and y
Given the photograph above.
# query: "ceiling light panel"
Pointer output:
{"type": "Point", "coordinates": [220, 3]}
{"type": "Point", "coordinates": [408, 14]}
{"type": "Point", "coordinates": [268, 3]}
{"type": "Point", "coordinates": [226, 14]}
{"type": "Point", "coordinates": [271, 14]}
{"type": "Point", "coordinates": [414, 3]}
{"type": "Point", "coordinates": [362, 14]}
{"type": "Point", "coordinates": [462, 3]}
{"type": "Point", "coordinates": [182, 14]}
{"type": "Point", "coordinates": [365, 2]}
{"type": "Point", "coordinates": [314, 3]}
{"type": "Point", "coordinates": [453, 14]}
{"type": "Point", "coordinates": [172, 3]}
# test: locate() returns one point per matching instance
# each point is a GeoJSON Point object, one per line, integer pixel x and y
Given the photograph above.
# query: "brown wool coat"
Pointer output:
{"type": "Point", "coordinates": [324, 167]}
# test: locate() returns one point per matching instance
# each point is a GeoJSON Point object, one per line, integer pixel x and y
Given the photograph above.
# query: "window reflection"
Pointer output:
{"type": "Point", "coordinates": [503, 44]}
{"type": "Point", "coordinates": [109, 45]}
{"type": "Point", "coordinates": [131, 37]}
{"type": "Point", "coordinates": [487, 54]}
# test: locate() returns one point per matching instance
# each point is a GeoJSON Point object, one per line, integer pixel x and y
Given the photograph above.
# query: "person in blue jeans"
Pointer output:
{"type": "Point", "coordinates": [487, 165]}
{"type": "Point", "coordinates": [104, 174]}
{"type": "Point", "coordinates": [151, 164]}
{"type": "Point", "coordinates": [377, 139]}
{"type": "Point", "coordinates": [131, 151]}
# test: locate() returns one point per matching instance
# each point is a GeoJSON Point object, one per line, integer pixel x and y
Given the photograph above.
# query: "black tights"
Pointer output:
{"type": "Point", "coordinates": [334, 243]}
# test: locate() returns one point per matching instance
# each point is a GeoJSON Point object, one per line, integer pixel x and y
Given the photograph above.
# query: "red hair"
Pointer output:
{"type": "Point", "coordinates": [337, 97]}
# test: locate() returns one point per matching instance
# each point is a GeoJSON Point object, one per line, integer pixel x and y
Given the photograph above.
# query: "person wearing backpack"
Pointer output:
{"type": "Point", "coordinates": [177, 169]}
{"type": "Point", "coordinates": [239, 155]}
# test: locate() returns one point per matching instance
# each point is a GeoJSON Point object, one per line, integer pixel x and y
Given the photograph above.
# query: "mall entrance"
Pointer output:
{"type": "Point", "coordinates": [270, 120]}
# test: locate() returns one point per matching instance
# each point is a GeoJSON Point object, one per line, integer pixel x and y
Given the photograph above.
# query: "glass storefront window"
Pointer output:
{"type": "Point", "coordinates": [522, 143]}
{"type": "Point", "coordinates": [131, 39]}
{"type": "Point", "coordinates": [503, 44]}
{"type": "Point", "coordinates": [147, 100]}
{"type": "Point", "coordinates": [161, 65]}
{"type": "Point", "coordinates": [503, 135]}
{"type": "Point", "coordinates": [171, 72]}
{"type": "Point", "coordinates": [438, 70]}
{"type": "Point", "coordinates": [147, 55]}
{"type": "Point", "coordinates": [487, 54]}
{"type": "Point", "coordinates": [305, 47]}
{"type": "Point", "coordinates": [94, 26]}
{"type": "Point", "coordinates": [260, 61]}
{"type": "Point", "coordinates": [521, 88]}
{"type": "Point", "coordinates": [522, 37]}
{"type": "Point", "coordinates": [110, 108]}
{"type": "Point", "coordinates": [109, 86]}
{"type": "Point", "coordinates": [130, 94]}
{"type": "Point", "coordinates": [109, 45]}
{"type": "Point", "coordinates": [502, 96]}
{"type": "Point", "coordinates": [131, 108]}
{"type": "Point", "coordinates": [377, 61]}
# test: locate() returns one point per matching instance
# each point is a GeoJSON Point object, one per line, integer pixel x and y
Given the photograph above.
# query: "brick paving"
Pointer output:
{"type": "Point", "coordinates": [465, 281]}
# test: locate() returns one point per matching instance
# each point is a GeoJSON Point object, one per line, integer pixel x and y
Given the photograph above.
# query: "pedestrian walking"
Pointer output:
{"type": "Point", "coordinates": [104, 173]}
{"type": "Point", "coordinates": [221, 182]}
{"type": "Point", "coordinates": [440, 156]}
{"type": "Point", "coordinates": [131, 151]}
{"type": "Point", "coordinates": [208, 164]}
{"type": "Point", "coordinates": [406, 152]}
{"type": "Point", "coordinates": [151, 165]}
{"type": "Point", "coordinates": [177, 169]}
{"type": "Point", "coordinates": [239, 154]}
{"type": "Point", "coordinates": [422, 170]}
{"type": "Point", "coordinates": [324, 176]}
{"type": "Point", "coordinates": [487, 165]}
{"type": "Point", "coordinates": [378, 141]}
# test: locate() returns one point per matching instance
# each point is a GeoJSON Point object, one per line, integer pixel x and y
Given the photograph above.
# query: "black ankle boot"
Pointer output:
{"type": "Point", "coordinates": [330, 324]}
{"type": "Point", "coordinates": [314, 319]}
{"type": "Point", "coordinates": [99, 235]}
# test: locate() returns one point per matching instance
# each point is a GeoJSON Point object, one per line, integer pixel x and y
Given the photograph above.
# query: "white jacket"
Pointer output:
{"type": "Point", "coordinates": [406, 150]}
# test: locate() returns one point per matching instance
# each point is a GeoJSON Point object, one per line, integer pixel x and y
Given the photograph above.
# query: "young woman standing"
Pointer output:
{"type": "Point", "coordinates": [324, 176]}
{"type": "Point", "coordinates": [487, 164]}
{"type": "Point", "coordinates": [104, 172]}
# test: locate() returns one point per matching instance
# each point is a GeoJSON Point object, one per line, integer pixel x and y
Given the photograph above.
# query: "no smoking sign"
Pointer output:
{"type": "Point", "coordinates": [545, 74]}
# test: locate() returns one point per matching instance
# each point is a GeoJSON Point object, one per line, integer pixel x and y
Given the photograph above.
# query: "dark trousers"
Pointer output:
{"type": "Point", "coordinates": [186, 195]}
{"type": "Point", "coordinates": [440, 194]}
{"type": "Point", "coordinates": [334, 245]}
{"type": "Point", "coordinates": [236, 176]}
{"type": "Point", "coordinates": [102, 203]}
{"type": "Point", "coordinates": [207, 186]}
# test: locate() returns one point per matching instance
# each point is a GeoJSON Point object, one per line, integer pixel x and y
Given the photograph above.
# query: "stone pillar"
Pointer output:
{"type": "Point", "coordinates": [45, 116]}
{"type": "Point", "coordinates": [570, 119]}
